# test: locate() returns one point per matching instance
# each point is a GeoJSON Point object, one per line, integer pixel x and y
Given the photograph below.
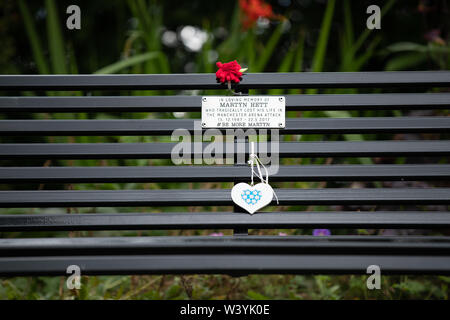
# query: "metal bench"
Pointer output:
{"type": "Point", "coordinates": [401, 207]}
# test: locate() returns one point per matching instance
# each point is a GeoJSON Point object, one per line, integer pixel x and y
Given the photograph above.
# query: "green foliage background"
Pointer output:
{"type": "Point", "coordinates": [126, 37]}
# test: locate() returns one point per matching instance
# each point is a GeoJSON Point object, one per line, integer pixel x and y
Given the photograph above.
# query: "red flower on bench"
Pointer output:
{"type": "Point", "coordinates": [230, 71]}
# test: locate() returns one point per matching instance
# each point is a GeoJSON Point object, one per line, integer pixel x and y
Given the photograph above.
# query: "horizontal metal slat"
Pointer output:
{"type": "Point", "coordinates": [225, 244]}
{"type": "Point", "coordinates": [167, 126]}
{"type": "Point", "coordinates": [215, 197]}
{"type": "Point", "coordinates": [234, 255]}
{"type": "Point", "coordinates": [233, 264]}
{"type": "Point", "coordinates": [407, 101]}
{"type": "Point", "coordinates": [164, 150]}
{"type": "Point", "coordinates": [224, 220]}
{"type": "Point", "coordinates": [221, 173]}
{"type": "Point", "coordinates": [208, 81]}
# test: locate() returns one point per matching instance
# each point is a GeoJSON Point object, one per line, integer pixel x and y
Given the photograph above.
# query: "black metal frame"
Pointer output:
{"type": "Point", "coordinates": [236, 254]}
{"type": "Point", "coordinates": [295, 102]}
{"type": "Point", "coordinates": [167, 126]}
{"type": "Point", "coordinates": [208, 81]}
{"type": "Point", "coordinates": [241, 253]}
{"type": "Point", "coordinates": [380, 172]}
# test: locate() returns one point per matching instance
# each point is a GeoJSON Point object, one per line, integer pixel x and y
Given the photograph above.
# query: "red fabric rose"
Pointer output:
{"type": "Point", "coordinates": [229, 72]}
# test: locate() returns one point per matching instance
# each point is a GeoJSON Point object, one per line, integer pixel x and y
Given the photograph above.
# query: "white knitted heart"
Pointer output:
{"type": "Point", "coordinates": [252, 198]}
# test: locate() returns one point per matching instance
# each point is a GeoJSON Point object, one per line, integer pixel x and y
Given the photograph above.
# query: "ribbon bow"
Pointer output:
{"type": "Point", "coordinates": [254, 160]}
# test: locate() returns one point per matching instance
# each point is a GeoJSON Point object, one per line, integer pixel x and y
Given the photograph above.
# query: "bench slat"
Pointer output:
{"type": "Point", "coordinates": [224, 220]}
{"type": "Point", "coordinates": [407, 101]}
{"type": "Point", "coordinates": [234, 255]}
{"type": "Point", "coordinates": [225, 244]}
{"type": "Point", "coordinates": [208, 81]}
{"type": "Point", "coordinates": [163, 150]}
{"type": "Point", "coordinates": [233, 264]}
{"type": "Point", "coordinates": [222, 173]}
{"type": "Point", "coordinates": [216, 197]}
{"type": "Point", "coordinates": [167, 126]}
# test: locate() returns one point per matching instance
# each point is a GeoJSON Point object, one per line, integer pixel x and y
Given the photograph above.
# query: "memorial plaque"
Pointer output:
{"type": "Point", "coordinates": [257, 112]}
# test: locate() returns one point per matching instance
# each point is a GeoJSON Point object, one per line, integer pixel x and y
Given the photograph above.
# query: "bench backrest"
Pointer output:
{"type": "Point", "coordinates": [25, 160]}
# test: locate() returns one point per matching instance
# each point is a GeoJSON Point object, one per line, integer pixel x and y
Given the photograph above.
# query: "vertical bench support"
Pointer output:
{"type": "Point", "coordinates": [240, 231]}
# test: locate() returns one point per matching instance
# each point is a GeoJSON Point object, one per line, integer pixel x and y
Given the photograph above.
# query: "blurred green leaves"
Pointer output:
{"type": "Point", "coordinates": [269, 48]}
{"type": "Point", "coordinates": [33, 36]}
{"type": "Point", "coordinates": [319, 55]}
{"type": "Point", "coordinates": [409, 54]}
{"type": "Point", "coordinates": [134, 60]}
{"type": "Point", "coordinates": [54, 39]}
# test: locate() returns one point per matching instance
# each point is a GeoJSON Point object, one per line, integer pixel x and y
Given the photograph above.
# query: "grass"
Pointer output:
{"type": "Point", "coordinates": [218, 287]}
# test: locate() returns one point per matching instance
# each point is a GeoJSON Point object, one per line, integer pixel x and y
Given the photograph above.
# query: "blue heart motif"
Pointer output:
{"type": "Point", "coordinates": [251, 197]}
